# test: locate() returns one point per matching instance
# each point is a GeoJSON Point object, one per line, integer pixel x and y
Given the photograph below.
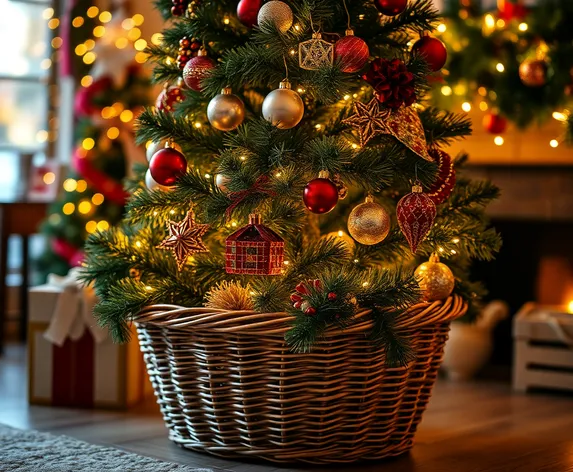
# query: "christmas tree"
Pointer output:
{"type": "Point", "coordinates": [107, 101]}
{"type": "Point", "coordinates": [514, 62]}
{"type": "Point", "coordinates": [290, 125]}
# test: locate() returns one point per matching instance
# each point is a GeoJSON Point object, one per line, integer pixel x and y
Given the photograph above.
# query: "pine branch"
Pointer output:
{"type": "Point", "coordinates": [442, 127]}
{"type": "Point", "coordinates": [419, 16]}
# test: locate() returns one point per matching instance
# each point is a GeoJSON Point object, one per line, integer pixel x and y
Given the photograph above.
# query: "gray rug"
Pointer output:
{"type": "Point", "coordinates": [32, 451]}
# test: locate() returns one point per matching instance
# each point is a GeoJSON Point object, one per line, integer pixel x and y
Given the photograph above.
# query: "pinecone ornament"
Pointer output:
{"type": "Point", "coordinates": [392, 82]}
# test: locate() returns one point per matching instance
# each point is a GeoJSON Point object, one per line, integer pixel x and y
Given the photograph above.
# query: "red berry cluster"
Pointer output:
{"type": "Point", "coordinates": [392, 82]}
{"type": "Point", "coordinates": [188, 48]}
{"type": "Point", "coordinates": [300, 300]}
{"type": "Point", "coordinates": [179, 7]}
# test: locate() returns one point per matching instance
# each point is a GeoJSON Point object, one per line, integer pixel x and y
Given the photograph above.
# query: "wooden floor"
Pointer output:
{"type": "Point", "coordinates": [479, 427]}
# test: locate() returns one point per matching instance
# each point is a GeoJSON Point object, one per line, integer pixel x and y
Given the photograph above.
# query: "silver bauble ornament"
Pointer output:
{"type": "Point", "coordinates": [221, 181]}
{"type": "Point", "coordinates": [226, 111]}
{"type": "Point", "coordinates": [435, 279]}
{"type": "Point", "coordinates": [277, 13]}
{"type": "Point", "coordinates": [151, 184]}
{"type": "Point", "coordinates": [283, 107]}
{"type": "Point", "coordinates": [369, 223]}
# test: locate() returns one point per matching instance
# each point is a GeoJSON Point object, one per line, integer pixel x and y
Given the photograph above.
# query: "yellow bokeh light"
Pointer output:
{"type": "Point", "coordinates": [570, 306]}
{"type": "Point", "coordinates": [498, 140]}
{"type": "Point", "coordinates": [500, 67]}
{"type": "Point", "coordinates": [84, 207]}
{"type": "Point", "coordinates": [141, 57]}
{"type": "Point", "coordinates": [98, 199]}
{"type": "Point", "coordinates": [105, 17]}
{"type": "Point", "coordinates": [49, 178]}
{"type": "Point", "coordinates": [226, 20]}
{"type": "Point", "coordinates": [126, 116]}
{"type": "Point", "coordinates": [87, 80]}
{"type": "Point", "coordinates": [88, 144]}
{"type": "Point", "coordinates": [121, 43]}
{"type": "Point", "coordinates": [157, 38]}
{"type": "Point", "coordinates": [92, 12]}
{"type": "Point", "coordinates": [559, 116]}
{"type": "Point", "coordinates": [81, 49]}
{"type": "Point", "coordinates": [134, 34]}
{"type": "Point", "coordinates": [90, 44]}
{"type": "Point", "coordinates": [446, 90]}
{"type": "Point", "coordinates": [140, 44]}
{"type": "Point", "coordinates": [107, 113]}
{"type": "Point", "coordinates": [489, 21]}
{"type": "Point", "coordinates": [89, 57]}
{"type": "Point", "coordinates": [103, 225]}
{"type": "Point", "coordinates": [53, 23]}
{"type": "Point", "coordinates": [523, 26]}
{"type": "Point", "coordinates": [442, 28]}
{"type": "Point", "coordinates": [70, 185]}
{"type": "Point", "coordinates": [42, 136]}
{"type": "Point", "coordinates": [57, 42]}
{"type": "Point", "coordinates": [500, 23]}
{"type": "Point", "coordinates": [482, 91]}
{"type": "Point", "coordinates": [68, 208]}
{"type": "Point", "coordinates": [467, 107]}
{"type": "Point", "coordinates": [77, 22]}
{"type": "Point", "coordinates": [82, 186]}
{"type": "Point", "coordinates": [48, 13]}
{"type": "Point", "coordinates": [483, 106]}
{"type": "Point", "coordinates": [91, 226]}
{"type": "Point", "coordinates": [138, 19]}
{"type": "Point", "coordinates": [554, 143]}
{"type": "Point", "coordinates": [99, 31]}
{"type": "Point", "coordinates": [113, 132]}
{"type": "Point", "coordinates": [128, 23]}
{"type": "Point", "coordinates": [117, 107]}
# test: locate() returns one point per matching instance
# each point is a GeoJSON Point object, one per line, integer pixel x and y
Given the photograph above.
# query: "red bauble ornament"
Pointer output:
{"type": "Point", "coordinates": [248, 11]}
{"type": "Point", "coordinates": [416, 213]}
{"type": "Point", "coordinates": [168, 98]}
{"type": "Point", "coordinates": [254, 250]}
{"type": "Point", "coordinates": [512, 10]}
{"type": "Point", "coordinates": [442, 188]}
{"type": "Point", "coordinates": [494, 123]}
{"type": "Point", "coordinates": [320, 195]}
{"type": "Point", "coordinates": [196, 70]}
{"type": "Point", "coordinates": [391, 7]}
{"type": "Point", "coordinates": [167, 165]}
{"type": "Point", "coordinates": [352, 52]}
{"type": "Point", "coordinates": [433, 50]}
{"type": "Point", "coordinates": [393, 83]}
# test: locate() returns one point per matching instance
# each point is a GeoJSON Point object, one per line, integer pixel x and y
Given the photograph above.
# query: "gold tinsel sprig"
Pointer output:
{"type": "Point", "coordinates": [230, 296]}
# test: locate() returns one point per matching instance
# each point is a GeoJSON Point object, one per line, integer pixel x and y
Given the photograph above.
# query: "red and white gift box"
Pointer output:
{"type": "Point", "coordinates": [72, 361]}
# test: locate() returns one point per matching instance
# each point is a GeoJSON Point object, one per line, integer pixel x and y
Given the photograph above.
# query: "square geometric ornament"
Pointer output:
{"type": "Point", "coordinates": [315, 53]}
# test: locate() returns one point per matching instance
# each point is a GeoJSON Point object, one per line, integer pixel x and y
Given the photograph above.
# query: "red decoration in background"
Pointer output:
{"type": "Point", "coordinates": [442, 188]}
{"type": "Point", "coordinates": [512, 10]}
{"type": "Point", "coordinates": [101, 182]}
{"type": "Point", "coordinates": [254, 250]}
{"type": "Point", "coordinates": [392, 82]}
{"type": "Point", "coordinates": [167, 165]}
{"type": "Point", "coordinates": [352, 52]}
{"type": "Point", "coordinates": [320, 195]}
{"type": "Point", "coordinates": [433, 50]}
{"type": "Point", "coordinates": [179, 7]}
{"type": "Point", "coordinates": [64, 249]}
{"type": "Point", "coordinates": [85, 101]}
{"type": "Point", "coordinates": [248, 11]}
{"type": "Point", "coordinates": [196, 70]}
{"type": "Point", "coordinates": [168, 98]}
{"type": "Point", "coordinates": [416, 213]}
{"type": "Point", "coordinates": [494, 123]}
{"type": "Point", "coordinates": [391, 7]}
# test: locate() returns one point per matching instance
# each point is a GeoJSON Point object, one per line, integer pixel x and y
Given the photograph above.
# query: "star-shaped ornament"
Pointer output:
{"type": "Point", "coordinates": [403, 124]}
{"type": "Point", "coordinates": [185, 238]}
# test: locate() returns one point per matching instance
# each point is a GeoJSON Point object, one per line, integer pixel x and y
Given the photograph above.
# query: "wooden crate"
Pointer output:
{"type": "Point", "coordinates": [543, 348]}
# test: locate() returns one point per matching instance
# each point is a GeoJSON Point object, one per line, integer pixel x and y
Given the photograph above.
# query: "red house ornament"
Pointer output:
{"type": "Point", "coordinates": [254, 250]}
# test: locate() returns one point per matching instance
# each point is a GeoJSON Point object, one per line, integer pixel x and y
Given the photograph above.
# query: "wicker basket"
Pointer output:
{"type": "Point", "coordinates": [228, 384]}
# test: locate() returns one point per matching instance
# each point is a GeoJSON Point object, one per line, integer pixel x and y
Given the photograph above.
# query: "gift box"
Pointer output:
{"type": "Point", "coordinates": [73, 362]}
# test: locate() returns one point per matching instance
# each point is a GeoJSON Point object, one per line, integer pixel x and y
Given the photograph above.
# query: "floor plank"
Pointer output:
{"type": "Point", "coordinates": [469, 427]}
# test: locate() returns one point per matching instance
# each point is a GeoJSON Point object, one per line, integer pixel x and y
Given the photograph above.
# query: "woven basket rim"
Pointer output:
{"type": "Point", "coordinates": [248, 321]}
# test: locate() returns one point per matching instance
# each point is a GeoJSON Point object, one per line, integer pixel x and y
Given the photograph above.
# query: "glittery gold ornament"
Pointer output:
{"type": "Point", "coordinates": [315, 53]}
{"type": "Point", "coordinates": [277, 13]}
{"type": "Point", "coordinates": [435, 279]}
{"type": "Point", "coordinates": [369, 223]}
{"type": "Point", "coordinates": [226, 111]}
{"type": "Point", "coordinates": [283, 107]}
{"type": "Point", "coordinates": [533, 73]}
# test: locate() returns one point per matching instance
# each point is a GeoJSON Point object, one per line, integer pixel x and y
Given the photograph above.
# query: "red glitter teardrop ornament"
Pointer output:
{"type": "Point", "coordinates": [167, 165]}
{"type": "Point", "coordinates": [352, 52]}
{"type": "Point", "coordinates": [320, 195]}
{"type": "Point", "coordinates": [442, 188]}
{"type": "Point", "coordinates": [168, 98]}
{"type": "Point", "coordinates": [391, 7]}
{"type": "Point", "coordinates": [494, 123]}
{"type": "Point", "coordinates": [196, 70]}
{"type": "Point", "coordinates": [433, 50]}
{"type": "Point", "coordinates": [248, 11]}
{"type": "Point", "coordinates": [416, 213]}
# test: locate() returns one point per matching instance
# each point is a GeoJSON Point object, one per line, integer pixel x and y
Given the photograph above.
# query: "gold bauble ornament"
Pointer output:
{"type": "Point", "coordinates": [533, 72]}
{"type": "Point", "coordinates": [276, 13]}
{"type": "Point", "coordinates": [435, 279]}
{"type": "Point", "coordinates": [369, 223]}
{"type": "Point", "coordinates": [283, 107]}
{"type": "Point", "coordinates": [226, 111]}
{"type": "Point", "coordinates": [221, 181]}
{"type": "Point", "coordinates": [151, 184]}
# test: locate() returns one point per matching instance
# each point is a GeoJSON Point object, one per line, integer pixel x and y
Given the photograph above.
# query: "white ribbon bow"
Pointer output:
{"type": "Point", "coordinates": [74, 310]}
